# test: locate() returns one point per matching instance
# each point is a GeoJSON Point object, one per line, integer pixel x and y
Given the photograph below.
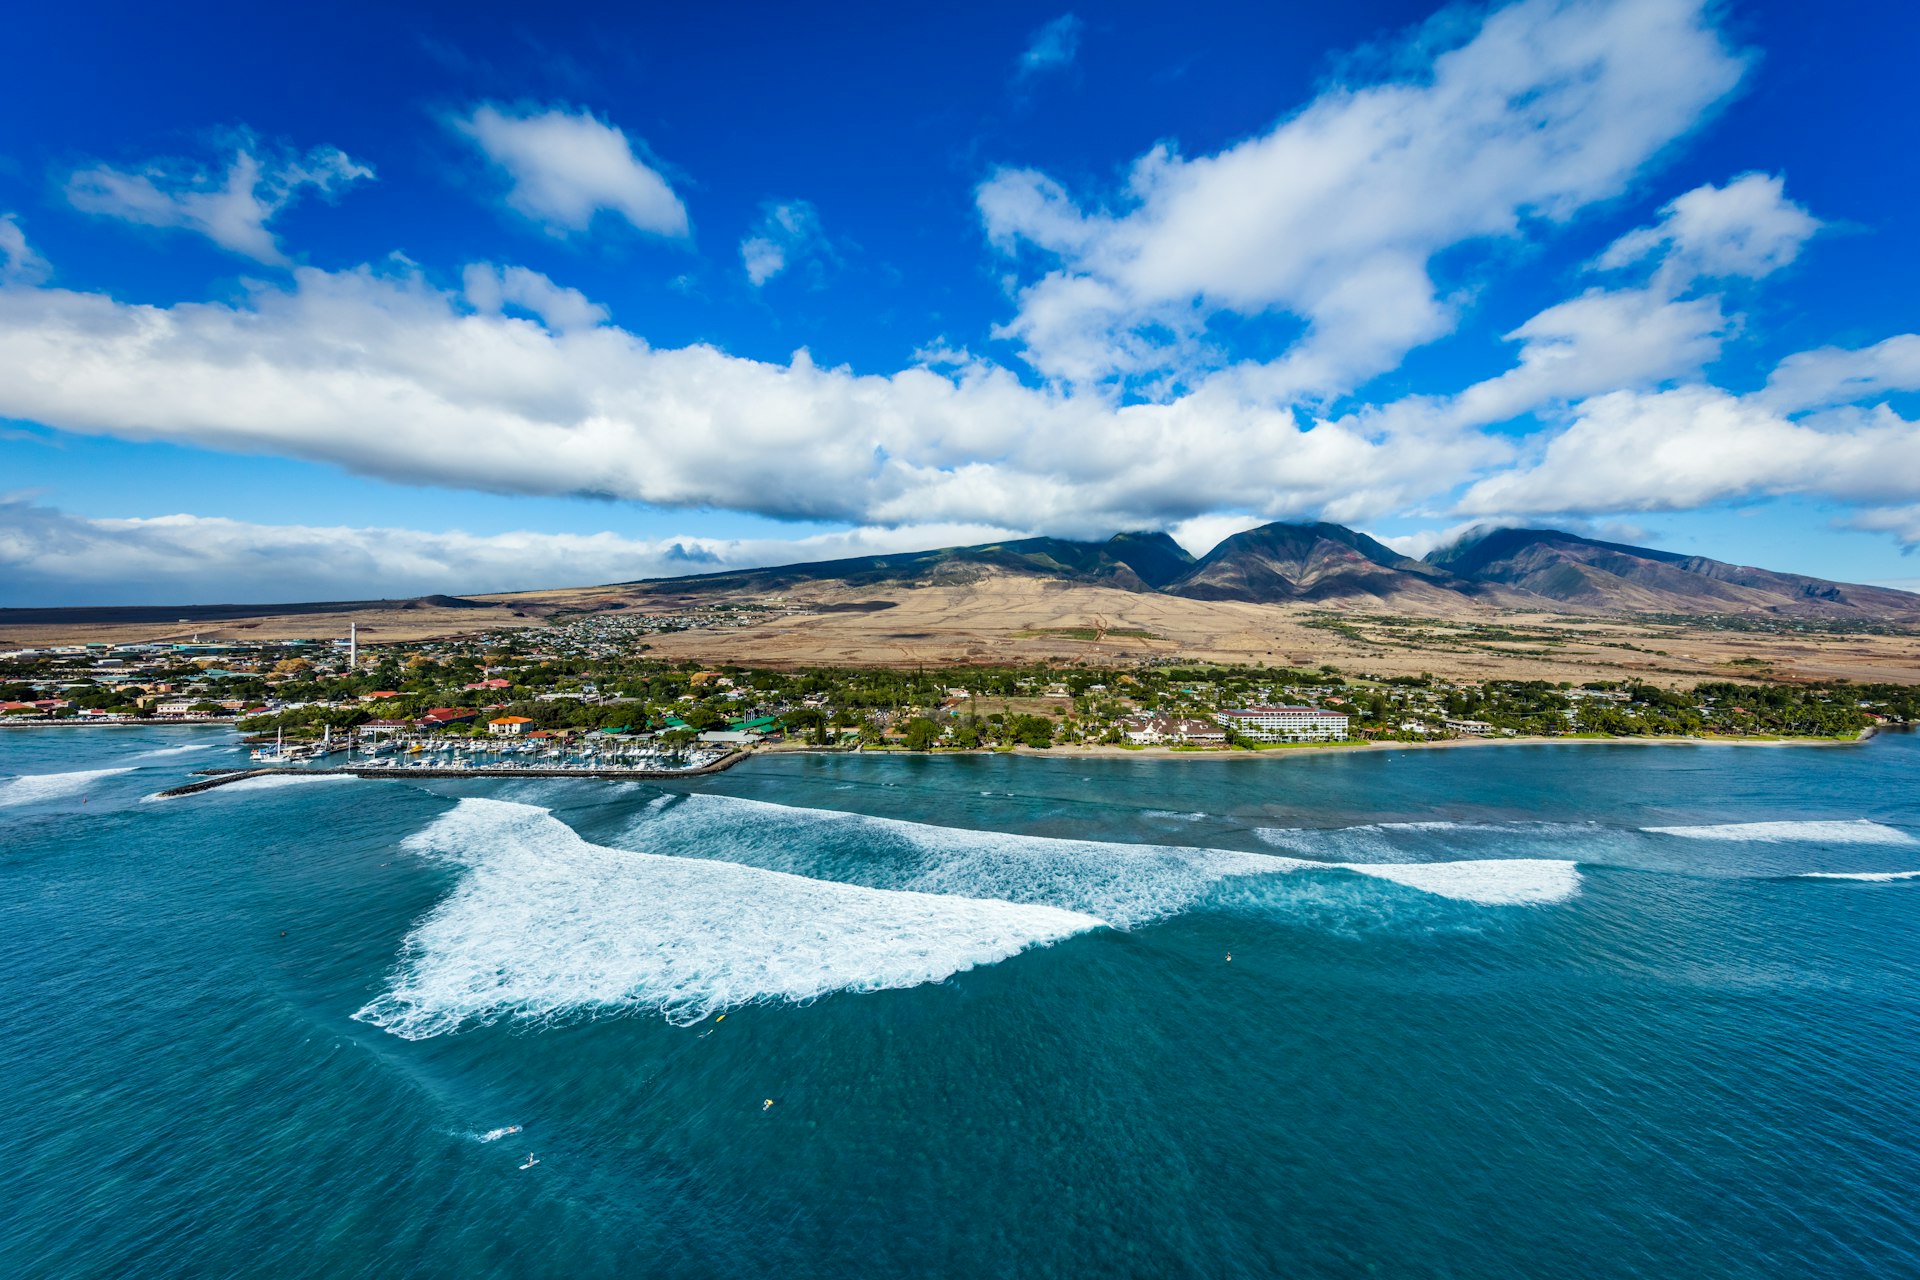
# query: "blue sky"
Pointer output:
{"type": "Point", "coordinates": [409, 298]}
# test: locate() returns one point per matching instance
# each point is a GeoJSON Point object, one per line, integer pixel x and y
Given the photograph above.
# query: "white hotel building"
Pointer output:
{"type": "Point", "coordinates": [1285, 724]}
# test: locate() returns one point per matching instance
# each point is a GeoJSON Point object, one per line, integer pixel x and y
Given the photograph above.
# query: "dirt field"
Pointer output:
{"type": "Point", "coordinates": [1019, 620]}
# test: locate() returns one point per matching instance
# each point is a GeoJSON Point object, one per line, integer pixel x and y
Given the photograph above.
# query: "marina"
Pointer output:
{"type": "Point", "coordinates": [636, 766]}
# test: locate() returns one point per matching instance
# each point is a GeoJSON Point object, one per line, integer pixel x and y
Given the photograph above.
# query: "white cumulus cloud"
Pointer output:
{"type": "Point", "coordinates": [1697, 445]}
{"type": "Point", "coordinates": [1333, 215]}
{"type": "Point", "coordinates": [787, 233]}
{"type": "Point", "coordinates": [18, 262]}
{"type": "Point", "coordinates": [1746, 228]}
{"type": "Point", "coordinates": [230, 206]}
{"type": "Point", "coordinates": [566, 166]}
{"type": "Point", "coordinates": [1902, 522]}
{"type": "Point", "coordinates": [1834, 375]}
{"type": "Point", "coordinates": [490, 290]}
{"type": "Point", "coordinates": [390, 376]}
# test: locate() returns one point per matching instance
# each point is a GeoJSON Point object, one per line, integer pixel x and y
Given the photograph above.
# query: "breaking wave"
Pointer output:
{"type": "Point", "coordinates": [37, 788]}
{"type": "Point", "coordinates": [1493, 882]}
{"type": "Point", "coordinates": [1855, 831]}
{"type": "Point", "coordinates": [545, 924]}
{"type": "Point", "coordinates": [1858, 875]}
{"type": "Point", "coordinates": [176, 751]}
{"type": "Point", "coordinates": [780, 903]}
{"type": "Point", "coordinates": [274, 781]}
{"type": "Point", "coordinates": [1127, 885]}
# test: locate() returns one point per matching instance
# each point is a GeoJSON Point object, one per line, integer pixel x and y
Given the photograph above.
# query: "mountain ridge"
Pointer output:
{"type": "Point", "coordinates": [1321, 562]}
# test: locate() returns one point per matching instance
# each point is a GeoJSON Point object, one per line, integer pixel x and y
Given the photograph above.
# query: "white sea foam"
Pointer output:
{"type": "Point", "coordinates": [176, 751]}
{"type": "Point", "coordinates": [1856, 831]}
{"type": "Point", "coordinates": [544, 924]}
{"type": "Point", "coordinates": [1493, 882]}
{"type": "Point", "coordinates": [1127, 885]}
{"type": "Point", "coordinates": [1123, 884]}
{"type": "Point", "coordinates": [1429, 826]}
{"type": "Point", "coordinates": [1290, 836]}
{"type": "Point", "coordinates": [787, 903]}
{"type": "Point", "coordinates": [1859, 875]}
{"type": "Point", "coordinates": [274, 781]}
{"type": "Point", "coordinates": [38, 788]}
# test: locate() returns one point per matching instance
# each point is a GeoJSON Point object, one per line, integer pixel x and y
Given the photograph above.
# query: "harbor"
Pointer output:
{"type": "Point", "coordinates": [420, 765]}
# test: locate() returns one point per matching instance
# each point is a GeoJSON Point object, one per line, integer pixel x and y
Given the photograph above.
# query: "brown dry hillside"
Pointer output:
{"type": "Point", "coordinates": [1521, 604]}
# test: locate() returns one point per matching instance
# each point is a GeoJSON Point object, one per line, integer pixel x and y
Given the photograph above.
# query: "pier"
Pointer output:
{"type": "Point", "coordinates": [211, 778]}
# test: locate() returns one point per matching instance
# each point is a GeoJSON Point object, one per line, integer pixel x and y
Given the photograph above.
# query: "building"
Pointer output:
{"type": "Point", "coordinates": [1285, 724]}
{"type": "Point", "coordinates": [1145, 729]}
{"type": "Point", "coordinates": [508, 726]}
{"type": "Point", "coordinates": [1471, 728]}
{"type": "Point", "coordinates": [441, 717]}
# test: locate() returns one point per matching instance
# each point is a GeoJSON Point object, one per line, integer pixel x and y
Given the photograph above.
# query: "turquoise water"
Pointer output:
{"type": "Point", "coordinates": [1561, 1010]}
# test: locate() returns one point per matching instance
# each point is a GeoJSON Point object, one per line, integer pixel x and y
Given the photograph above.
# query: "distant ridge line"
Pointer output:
{"type": "Point", "coordinates": [1321, 563]}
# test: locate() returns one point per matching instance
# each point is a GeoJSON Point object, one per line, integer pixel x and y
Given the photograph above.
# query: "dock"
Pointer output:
{"type": "Point", "coordinates": [211, 778]}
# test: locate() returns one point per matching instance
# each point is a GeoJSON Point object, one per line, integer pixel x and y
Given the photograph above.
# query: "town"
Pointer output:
{"type": "Point", "coordinates": [581, 688]}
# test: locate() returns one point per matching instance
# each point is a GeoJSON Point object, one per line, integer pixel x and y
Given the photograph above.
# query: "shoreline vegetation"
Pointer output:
{"type": "Point", "coordinates": [591, 687]}
{"type": "Point", "coordinates": [1117, 751]}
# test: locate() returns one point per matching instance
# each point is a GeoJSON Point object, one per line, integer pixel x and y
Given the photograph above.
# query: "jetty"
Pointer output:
{"type": "Point", "coordinates": [208, 779]}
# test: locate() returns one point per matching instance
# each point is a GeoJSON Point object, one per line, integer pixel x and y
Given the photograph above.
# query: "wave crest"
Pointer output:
{"type": "Point", "coordinates": [37, 788]}
{"type": "Point", "coordinates": [1854, 831]}
{"type": "Point", "coordinates": [545, 924]}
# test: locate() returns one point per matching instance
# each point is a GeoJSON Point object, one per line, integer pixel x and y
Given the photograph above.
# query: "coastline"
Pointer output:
{"type": "Point", "coordinates": [1290, 750]}
{"type": "Point", "coordinates": [117, 724]}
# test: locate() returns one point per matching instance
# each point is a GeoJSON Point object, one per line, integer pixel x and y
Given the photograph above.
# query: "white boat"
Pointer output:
{"type": "Point", "coordinates": [276, 754]}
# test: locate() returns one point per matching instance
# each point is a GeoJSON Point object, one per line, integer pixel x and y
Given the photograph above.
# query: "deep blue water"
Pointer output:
{"type": "Point", "coordinates": [1515, 1032]}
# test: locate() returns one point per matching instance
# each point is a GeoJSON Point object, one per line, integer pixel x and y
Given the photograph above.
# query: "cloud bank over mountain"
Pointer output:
{"type": "Point", "coordinates": [1357, 229]}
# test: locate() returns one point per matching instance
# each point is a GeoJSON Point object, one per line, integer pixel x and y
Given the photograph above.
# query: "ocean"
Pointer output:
{"type": "Point", "coordinates": [1585, 1009]}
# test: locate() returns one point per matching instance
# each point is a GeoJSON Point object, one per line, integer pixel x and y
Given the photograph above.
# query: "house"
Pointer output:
{"type": "Point", "coordinates": [1285, 724]}
{"type": "Point", "coordinates": [488, 684]}
{"type": "Point", "coordinates": [508, 726]}
{"type": "Point", "coordinates": [1471, 728]}
{"type": "Point", "coordinates": [730, 737]}
{"type": "Point", "coordinates": [375, 728]}
{"type": "Point", "coordinates": [441, 717]}
{"type": "Point", "coordinates": [378, 694]}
